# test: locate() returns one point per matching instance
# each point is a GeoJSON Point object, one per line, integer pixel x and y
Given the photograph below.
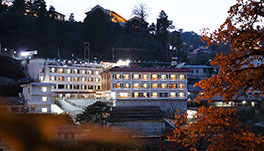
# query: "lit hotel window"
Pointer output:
{"type": "Point", "coordinates": [145, 95]}
{"type": "Point", "coordinates": [181, 86]}
{"type": "Point", "coordinates": [90, 80]}
{"type": "Point", "coordinates": [155, 77]}
{"type": "Point", "coordinates": [136, 85]}
{"type": "Point", "coordinates": [126, 85]}
{"type": "Point", "coordinates": [144, 77]}
{"type": "Point", "coordinates": [68, 71]}
{"type": "Point", "coordinates": [60, 70]}
{"type": "Point", "coordinates": [155, 85]}
{"type": "Point", "coordinates": [97, 80]}
{"type": "Point", "coordinates": [126, 76]}
{"type": "Point", "coordinates": [76, 79]}
{"type": "Point", "coordinates": [173, 77]}
{"type": "Point", "coordinates": [44, 110]}
{"type": "Point", "coordinates": [76, 87]}
{"type": "Point", "coordinates": [182, 77]}
{"type": "Point", "coordinates": [89, 72]}
{"type": "Point", "coordinates": [75, 71]}
{"type": "Point", "coordinates": [61, 78]}
{"type": "Point", "coordinates": [117, 76]}
{"type": "Point", "coordinates": [181, 95]}
{"type": "Point", "coordinates": [145, 85]}
{"type": "Point", "coordinates": [68, 78]}
{"type": "Point", "coordinates": [123, 95]}
{"type": "Point", "coordinates": [83, 79]}
{"type": "Point", "coordinates": [116, 85]}
{"type": "Point", "coordinates": [41, 78]}
{"type": "Point", "coordinates": [82, 71]}
{"type": "Point", "coordinates": [96, 72]}
{"type": "Point", "coordinates": [53, 70]}
{"type": "Point", "coordinates": [52, 78]}
{"type": "Point", "coordinates": [154, 95]}
{"type": "Point", "coordinates": [44, 89]}
{"type": "Point", "coordinates": [172, 94]}
{"type": "Point", "coordinates": [68, 86]}
{"type": "Point", "coordinates": [163, 77]}
{"type": "Point", "coordinates": [83, 87]}
{"type": "Point", "coordinates": [172, 86]}
{"type": "Point", "coordinates": [44, 99]}
{"type": "Point", "coordinates": [135, 76]}
{"type": "Point", "coordinates": [163, 86]}
{"type": "Point", "coordinates": [135, 94]}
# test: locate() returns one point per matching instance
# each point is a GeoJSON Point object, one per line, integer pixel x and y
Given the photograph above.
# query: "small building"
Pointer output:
{"type": "Point", "coordinates": [146, 87]}
{"type": "Point", "coordinates": [38, 97]}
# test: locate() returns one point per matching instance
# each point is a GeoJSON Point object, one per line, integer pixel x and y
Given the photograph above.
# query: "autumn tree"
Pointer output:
{"type": "Point", "coordinates": [242, 69]}
{"type": "Point", "coordinates": [213, 129]}
{"type": "Point", "coordinates": [141, 11]}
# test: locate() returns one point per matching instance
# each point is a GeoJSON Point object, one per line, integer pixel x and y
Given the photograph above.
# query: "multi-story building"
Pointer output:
{"type": "Point", "coordinates": [145, 84]}
{"type": "Point", "coordinates": [71, 79]}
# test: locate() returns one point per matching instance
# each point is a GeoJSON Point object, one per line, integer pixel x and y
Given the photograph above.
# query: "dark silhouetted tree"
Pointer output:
{"type": "Point", "coordinates": [71, 18]}
{"type": "Point", "coordinates": [18, 7]}
{"type": "Point", "coordinates": [162, 27]}
{"type": "Point", "coordinates": [141, 11]}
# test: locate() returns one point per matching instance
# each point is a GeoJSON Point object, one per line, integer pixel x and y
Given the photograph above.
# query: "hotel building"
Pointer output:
{"type": "Point", "coordinates": [144, 84]}
{"type": "Point", "coordinates": [71, 79]}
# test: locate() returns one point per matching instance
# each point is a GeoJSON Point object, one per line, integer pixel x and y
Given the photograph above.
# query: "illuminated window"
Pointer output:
{"type": "Point", "coordinates": [83, 87]}
{"type": "Point", "coordinates": [53, 70]}
{"type": "Point", "coordinates": [61, 78]}
{"type": "Point", "coordinates": [76, 79]}
{"type": "Point", "coordinates": [82, 71]}
{"type": "Point", "coordinates": [96, 72]}
{"type": "Point", "coordinates": [163, 77]}
{"type": "Point", "coordinates": [145, 77]}
{"type": "Point", "coordinates": [90, 87]}
{"type": "Point", "coordinates": [126, 76]}
{"type": "Point", "coordinates": [155, 77]}
{"type": "Point", "coordinates": [154, 95]}
{"type": "Point", "coordinates": [97, 80]}
{"type": "Point", "coordinates": [90, 80]}
{"type": "Point", "coordinates": [116, 85]}
{"type": "Point", "coordinates": [172, 86]}
{"type": "Point", "coordinates": [123, 95]}
{"type": "Point", "coordinates": [44, 110]}
{"type": "Point", "coordinates": [155, 85]}
{"type": "Point", "coordinates": [89, 72]}
{"type": "Point", "coordinates": [164, 86]}
{"type": "Point", "coordinates": [60, 70]}
{"type": "Point", "coordinates": [135, 76]}
{"type": "Point", "coordinates": [75, 71]}
{"type": "Point", "coordinates": [136, 85]}
{"type": "Point", "coordinates": [76, 87]}
{"type": "Point", "coordinates": [182, 77]}
{"type": "Point", "coordinates": [145, 85]}
{"type": "Point", "coordinates": [181, 95]}
{"type": "Point", "coordinates": [172, 94]}
{"type": "Point", "coordinates": [136, 95]}
{"type": "Point", "coordinates": [83, 79]}
{"type": "Point", "coordinates": [68, 71]}
{"type": "Point", "coordinates": [52, 78]}
{"type": "Point", "coordinates": [145, 95]}
{"type": "Point", "coordinates": [44, 89]}
{"type": "Point", "coordinates": [181, 86]}
{"type": "Point", "coordinates": [68, 86]}
{"type": "Point", "coordinates": [44, 99]}
{"type": "Point", "coordinates": [41, 78]}
{"type": "Point", "coordinates": [69, 79]}
{"type": "Point", "coordinates": [117, 76]}
{"type": "Point", "coordinates": [173, 77]}
{"type": "Point", "coordinates": [126, 85]}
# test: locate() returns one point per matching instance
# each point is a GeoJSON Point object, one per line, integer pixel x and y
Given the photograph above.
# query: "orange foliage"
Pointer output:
{"type": "Point", "coordinates": [214, 129]}
{"type": "Point", "coordinates": [242, 69]}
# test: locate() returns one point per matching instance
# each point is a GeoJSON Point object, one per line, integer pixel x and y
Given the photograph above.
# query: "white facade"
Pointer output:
{"type": "Point", "coordinates": [71, 79]}
{"type": "Point", "coordinates": [38, 97]}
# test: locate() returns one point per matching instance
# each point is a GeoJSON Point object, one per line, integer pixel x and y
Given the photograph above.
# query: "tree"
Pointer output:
{"type": "Point", "coordinates": [52, 11]}
{"type": "Point", "coordinates": [3, 7]}
{"type": "Point", "coordinates": [39, 8]}
{"type": "Point", "coordinates": [152, 28]}
{"type": "Point", "coordinates": [18, 6]}
{"type": "Point", "coordinates": [71, 18]}
{"type": "Point", "coordinates": [141, 11]}
{"type": "Point", "coordinates": [213, 129]}
{"type": "Point", "coordinates": [175, 40]}
{"type": "Point", "coordinates": [95, 113]}
{"type": "Point", "coordinates": [163, 26]}
{"type": "Point", "coordinates": [242, 69]}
